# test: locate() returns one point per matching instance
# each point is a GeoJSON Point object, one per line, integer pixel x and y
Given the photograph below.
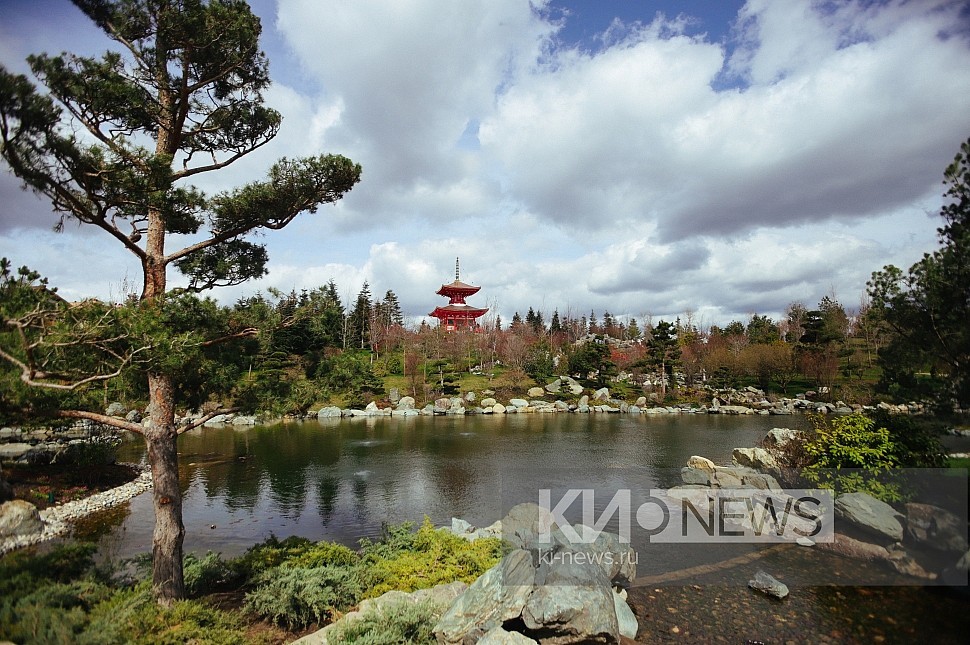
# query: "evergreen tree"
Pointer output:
{"type": "Point", "coordinates": [183, 98]}
{"type": "Point", "coordinates": [664, 352]}
{"type": "Point", "coordinates": [633, 330]}
{"type": "Point", "coordinates": [360, 318]}
{"type": "Point", "coordinates": [762, 330]}
{"type": "Point", "coordinates": [392, 309]}
{"type": "Point", "coordinates": [927, 308]}
{"type": "Point", "coordinates": [555, 326]}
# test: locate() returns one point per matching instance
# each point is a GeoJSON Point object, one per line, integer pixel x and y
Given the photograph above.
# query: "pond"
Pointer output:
{"type": "Point", "coordinates": [343, 479]}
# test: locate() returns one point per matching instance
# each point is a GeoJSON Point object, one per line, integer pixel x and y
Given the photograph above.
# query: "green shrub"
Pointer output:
{"type": "Point", "coordinates": [53, 613]}
{"type": "Point", "coordinates": [21, 572]}
{"type": "Point", "coordinates": [407, 561]}
{"type": "Point", "coordinates": [852, 454]}
{"type": "Point", "coordinates": [207, 574]}
{"type": "Point", "coordinates": [296, 597]}
{"type": "Point", "coordinates": [401, 623]}
{"type": "Point", "coordinates": [270, 554]}
{"type": "Point", "coordinates": [134, 617]}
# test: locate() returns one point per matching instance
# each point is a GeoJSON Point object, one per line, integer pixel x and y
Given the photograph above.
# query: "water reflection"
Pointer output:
{"type": "Point", "coordinates": [341, 479]}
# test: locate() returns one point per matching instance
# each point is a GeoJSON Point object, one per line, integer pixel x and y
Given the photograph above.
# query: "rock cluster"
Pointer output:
{"type": "Point", "coordinates": [904, 538]}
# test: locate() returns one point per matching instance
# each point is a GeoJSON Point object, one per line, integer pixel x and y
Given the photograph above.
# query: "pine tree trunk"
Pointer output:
{"type": "Point", "coordinates": [168, 583]}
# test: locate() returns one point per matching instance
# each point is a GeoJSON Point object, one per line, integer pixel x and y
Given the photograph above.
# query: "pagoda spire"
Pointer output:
{"type": "Point", "coordinates": [457, 278]}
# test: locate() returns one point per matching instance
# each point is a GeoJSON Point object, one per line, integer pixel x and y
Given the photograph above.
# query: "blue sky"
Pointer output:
{"type": "Point", "coordinates": [650, 158]}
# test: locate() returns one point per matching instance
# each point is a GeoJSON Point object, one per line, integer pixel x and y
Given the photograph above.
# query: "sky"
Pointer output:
{"type": "Point", "coordinates": [650, 158]}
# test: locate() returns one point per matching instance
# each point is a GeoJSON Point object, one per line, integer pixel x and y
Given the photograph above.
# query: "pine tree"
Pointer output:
{"type": "Point", "coordinates": [555, 326]}
{"type": "Point", "coordinates": [360, 318]}
{"type": "Point", "coordinates": [112, 142]}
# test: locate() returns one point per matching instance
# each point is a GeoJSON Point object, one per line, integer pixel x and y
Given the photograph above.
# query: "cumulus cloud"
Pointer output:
{"type": "Point", "coordinates": [656, 172]}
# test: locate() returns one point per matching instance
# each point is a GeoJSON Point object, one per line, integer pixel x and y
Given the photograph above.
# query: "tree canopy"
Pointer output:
{"type": "Point", "coordinates": [928, 307]}
{"type": "Point", "coordinates": [112, 142]}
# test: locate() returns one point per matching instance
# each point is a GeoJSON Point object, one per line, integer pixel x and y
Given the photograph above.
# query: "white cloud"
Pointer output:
{"type": "Point", "coordinates": [624, 179]}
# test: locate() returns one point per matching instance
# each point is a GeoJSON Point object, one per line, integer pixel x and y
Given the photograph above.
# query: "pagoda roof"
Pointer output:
{"type": "Point", "coordinates": [457, 287]}
{"type": "Point", "coordinates": [460, 309]}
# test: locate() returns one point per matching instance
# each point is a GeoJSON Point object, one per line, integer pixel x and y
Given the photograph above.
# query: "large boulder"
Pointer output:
{"type": "Point", "coordinates": [498, 636]}
{"type": "Point", "coordinates": [328, 412]}
{"type": "Point", "coordinates": [757, 458]}
{"type": "Point", "coordinates": [572, 603]}
{"type": "Point", "coordinates": [406, 403]}
{"type": "Point", "coordinates": [18, 517]}
{"type": "Point", "coordinates": [524, 524]}
{"type": "Point", "coordinates": [496, 596]}
{"type": "Point", "coordinates": [936, 528]}
{"type": "Point", "coordinates": [870, 514]}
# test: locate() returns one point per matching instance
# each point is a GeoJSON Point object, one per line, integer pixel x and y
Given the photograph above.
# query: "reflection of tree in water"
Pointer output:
{"type": "Point", "coordinates": [92, 527]}
{"type": "Point", "coordinates": [327, 489]}
{"type": "Point", "coordinates": [456, 482]}
{"type": "Point", "coordinates": [360, 496]}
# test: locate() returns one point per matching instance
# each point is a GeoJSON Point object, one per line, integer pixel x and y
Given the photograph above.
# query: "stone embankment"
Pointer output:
{"type": "Point", "coordinates": [21, 526]}
{"type": "Point", "coordinates": [541, 401]}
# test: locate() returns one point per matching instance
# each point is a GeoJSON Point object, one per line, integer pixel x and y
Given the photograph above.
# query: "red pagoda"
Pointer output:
{"type": "Point", "coordinates": [457, 315]}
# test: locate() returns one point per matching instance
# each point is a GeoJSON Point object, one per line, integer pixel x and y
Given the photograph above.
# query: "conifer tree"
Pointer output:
{"type": "Point", "coordinates": [113, 143]}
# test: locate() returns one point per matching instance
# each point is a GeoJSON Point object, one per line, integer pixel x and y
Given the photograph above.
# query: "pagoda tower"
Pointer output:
{"type": "Point", "coordinates": [457, 314]}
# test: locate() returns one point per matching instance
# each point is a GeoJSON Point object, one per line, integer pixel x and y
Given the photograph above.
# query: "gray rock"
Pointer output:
{"type": "Point", "coordinates": [13, 451]}
{"type": "Point", "coordinates": [767, 584]}
{"type": "Point", "coordinates": [536, 392]}
{"type": "Point", "coordinates": [626, 620]}
{"type": "Point", "coordinates": [870, 514]}
{"type": "Point", "coordinates": [936, 528]}
{"type": "Point", "coordinates": [406, 403]}
{"type": "Point", "coordinates": [496, 596]}
{"type": "Point", "coordinates": [572, 603]}
{"type": "Point", "coordinates": [781, 437]}
{"type": "Point", "coordinates": [695, 476]}
{"type": "Point", "coordinates": [328, 412]}
{"type": "Point", "coordinates": [498, 408]}
{"type": "Point", "coordinates": [499, 636]}
{"type": "Point", "coordinates": [757, 458]}
{"type": "Point", "coordinates": [116, 409]}
{"type": "Point", "coordinates": [133, 416]}
{"type": "Point", "coordinates": [18, 517]}
{"type": "Point", "coordinates": [524, 524]}
{"type": "Point", "coordinates": [761, 481]}
{"type": "Point", "coordinates": [518, 403]}
{"type": "Point", "coordinates": [244, 420]}
{"type": "Point", "coordinates": [619, 565]}
{"type": "Point", "coordinates": [602, 394]}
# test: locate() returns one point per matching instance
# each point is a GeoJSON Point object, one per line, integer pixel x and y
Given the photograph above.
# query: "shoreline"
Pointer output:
{"type": "Point", "coordinates": [58, 519]}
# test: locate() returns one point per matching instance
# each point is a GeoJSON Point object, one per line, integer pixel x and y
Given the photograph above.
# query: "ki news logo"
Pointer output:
{"type": "Point", "coordinates": [686, 515]}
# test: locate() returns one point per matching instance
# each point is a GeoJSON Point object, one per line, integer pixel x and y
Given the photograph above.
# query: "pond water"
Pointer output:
{"type": "Point", "coordinates": [343, 479]}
